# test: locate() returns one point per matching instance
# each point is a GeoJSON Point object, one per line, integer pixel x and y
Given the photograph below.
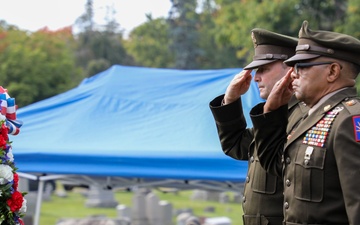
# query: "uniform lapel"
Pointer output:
{"type": "Point", "coordinates": [296, 114]}
{"type": "Point", "coordinates": [305, 125]}
{"type": "Point", "coordinates": [311, 120]}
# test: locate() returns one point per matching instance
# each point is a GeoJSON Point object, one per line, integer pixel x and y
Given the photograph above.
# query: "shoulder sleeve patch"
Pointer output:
{"type": "Point", "coordinates": [356, 123]}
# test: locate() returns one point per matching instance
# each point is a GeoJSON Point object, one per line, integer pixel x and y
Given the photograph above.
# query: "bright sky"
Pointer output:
{"type": "Point", "coordinates": [35, 14]}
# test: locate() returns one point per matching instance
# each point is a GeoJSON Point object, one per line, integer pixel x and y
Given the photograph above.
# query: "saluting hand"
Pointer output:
{"type": "Point", "coordinates": [238, 86]}
{"type": "Point", "coordinates": [280, 93]}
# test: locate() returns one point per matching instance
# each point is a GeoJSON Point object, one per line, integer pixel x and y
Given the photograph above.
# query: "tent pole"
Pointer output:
{"type": "Point", "coordinates": [38, 202]}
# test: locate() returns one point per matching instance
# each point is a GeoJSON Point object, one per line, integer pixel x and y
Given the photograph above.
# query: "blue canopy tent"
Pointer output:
{"type": "Point", "coordinates": [138, 124]}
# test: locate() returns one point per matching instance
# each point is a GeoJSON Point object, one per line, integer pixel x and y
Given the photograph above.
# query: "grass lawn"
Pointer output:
{"type": "Point", "coordinates": [73, 206]}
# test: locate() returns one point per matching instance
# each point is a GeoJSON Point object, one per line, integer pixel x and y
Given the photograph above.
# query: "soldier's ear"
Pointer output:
{"type": "Point", "coordinates": [334, 72]}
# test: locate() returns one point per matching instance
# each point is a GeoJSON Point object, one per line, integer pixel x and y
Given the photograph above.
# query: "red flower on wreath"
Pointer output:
{"type": "Point", "coordinates": [4, 136]}
{"type": "Point", "coordinates": [16, 181]}
{"type": "Point", "coordinates": [5, 131]}
{"type": "Point", "coordinates": [15, 202]}
{"type": "Point", "coordinates": [2, 143]}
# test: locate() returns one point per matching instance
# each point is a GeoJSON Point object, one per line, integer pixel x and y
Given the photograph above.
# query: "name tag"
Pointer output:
{"type": "Point", "coordinates": [308, 152]}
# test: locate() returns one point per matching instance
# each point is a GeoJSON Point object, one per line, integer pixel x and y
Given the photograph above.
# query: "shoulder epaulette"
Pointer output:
{"type": "Point", "coordinates": [352, 105]}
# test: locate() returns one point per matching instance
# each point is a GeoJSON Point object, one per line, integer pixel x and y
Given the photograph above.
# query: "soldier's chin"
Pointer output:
{"type": "Point", "coordinates": [298, 95]}
{"type": "Point", "coordinates": [264, 95]}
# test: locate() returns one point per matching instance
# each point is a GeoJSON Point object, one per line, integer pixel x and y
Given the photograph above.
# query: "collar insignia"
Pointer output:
{"type": "Point", "coordinates": [326, 108]}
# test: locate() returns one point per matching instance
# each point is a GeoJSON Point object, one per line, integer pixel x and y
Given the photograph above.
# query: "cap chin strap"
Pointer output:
{"type": "Point", "coordinates": [312, 48]}
{"type": "Point", "coordinates": [327, 52]}
{"type": "Point", "coordinates": [270, 56]}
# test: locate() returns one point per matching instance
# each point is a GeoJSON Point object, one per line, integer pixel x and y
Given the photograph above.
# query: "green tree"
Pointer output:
{"type": "Point", "coordinates": [213, 54]}
{"type": "Point", "coordinates": [85, 22]}
{"type": "Point", "coordinates": [351, 25]}
{"type": "Point", "coordinates": [183, 33]}
{"type": "Point", "coordinates": [149, 44]}
{"type": "Point", "coordinates": [99, 47]}
{"type": "Point", "coordinates": [236, 19]}
{"type": "Point", "coordinates": [38, 65]}
{"type": "Point", "coordinates": [323, 15]}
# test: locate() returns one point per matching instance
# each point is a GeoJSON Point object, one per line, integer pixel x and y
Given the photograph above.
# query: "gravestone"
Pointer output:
{"type": "Point", "coordinates": [96, 220]}
{"type": "Point", "coordinates": [123, 212]}
{"type": "Point", "coordinates": [30, 197]}
{"type": "Point", "coordinates": [193, 220]}
{"type": "Point", "coordinates": [153, 209]}
{"type": "Point", "coordinates": [100, 198]}
{"type": "Point", "coordinates": [166, 212]}
{"type": "Point", "coordinates": [138, 212]}
{"type": "Point", "coordinates": [182, 218]}
{"type": "Point", "coordinates": [224, 197]}
{"type": "Point", "coordinates": [238, 198]}
{"type": "Point", "coordinates": [217, 221]}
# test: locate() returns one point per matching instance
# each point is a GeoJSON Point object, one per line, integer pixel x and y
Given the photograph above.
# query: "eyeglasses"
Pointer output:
{"type": "Point", "coordinates": [306, 65]}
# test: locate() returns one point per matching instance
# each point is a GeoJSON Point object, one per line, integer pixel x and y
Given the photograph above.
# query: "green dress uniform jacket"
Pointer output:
{"type": "Point", "coordinates": [320, 159]}
{"type": "Point", "coordinates": [262, 197]}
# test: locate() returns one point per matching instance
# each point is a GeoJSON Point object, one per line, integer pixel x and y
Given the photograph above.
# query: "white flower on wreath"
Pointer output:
{"type": "Point", "coordinates": [23, 207]}
{"type": "Point", "coordinates": [2, 117]}
{"type": "Point", "coordinates": [6, 174]}
{"type": "Point", "coordinates": [10, 155]}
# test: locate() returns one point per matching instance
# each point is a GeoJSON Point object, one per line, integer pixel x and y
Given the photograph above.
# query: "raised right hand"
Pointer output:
{"type": "Point", "coordinates": [238, 86]}
{"type": "Point", "coordinates": [280, 93]}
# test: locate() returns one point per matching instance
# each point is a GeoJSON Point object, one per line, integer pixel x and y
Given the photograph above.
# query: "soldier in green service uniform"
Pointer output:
{"type": "Point", "coordinates": [263, 193]}
{"type": "Point", "coordinates": [318, 157]}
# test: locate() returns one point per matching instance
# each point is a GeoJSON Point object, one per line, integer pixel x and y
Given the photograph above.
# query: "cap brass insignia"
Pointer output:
{"type": "Point", "coordinates": [326, 108]}
{"type": "Point", "coordinates": [253, 39]}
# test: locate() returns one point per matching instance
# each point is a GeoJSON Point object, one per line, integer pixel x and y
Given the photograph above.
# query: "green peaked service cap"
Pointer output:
{"type": "Point", "coordinates": [316, 43]}
{"type": "Point", "coordinates": [270, 46]}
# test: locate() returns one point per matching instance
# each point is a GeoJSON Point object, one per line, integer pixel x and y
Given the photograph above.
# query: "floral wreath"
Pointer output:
{"type": "Point", "coordinates": [12, 202]}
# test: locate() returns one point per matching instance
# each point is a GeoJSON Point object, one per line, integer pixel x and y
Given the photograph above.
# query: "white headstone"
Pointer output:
{"type": "Point", "coordinates": [166, 210]}
{"type": "Point", "coordinates": [198, 195]}
{"type": "Point", "coordinates": [98, 197]}
{"type": "Point", "coordinates": [238, 198]}
{"type": "Point", "coordinates": [123, 212]}
{"type": "Point", "coordinates": [212, 196]}
{"type": "Point", "coordinates": [182, 218]}
{"type": "Point", "coordinates": [153, 209]}
{"type": "Point", "coordinates": [217, 221]}
{"type": "Point", "coordinates": [138, 212]}
{"type": "Point", "coordinates": [224, 197]}
{"type": "Point", "coordinates": [193, 220]}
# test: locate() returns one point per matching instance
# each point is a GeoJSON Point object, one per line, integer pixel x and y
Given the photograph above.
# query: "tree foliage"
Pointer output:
{"type": "Point", "coordinates": [213, 54]}
{"type": "Point", "coordinates": [99, 47]}
{"type": "Point", "coordinates": [350, 23]}
{"type": "Point", "coordinates": [149, 44]}
{"type": "Point", "coordinates": [183, 33]}
{"type": "Point", "coordinates": [37, 65]}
